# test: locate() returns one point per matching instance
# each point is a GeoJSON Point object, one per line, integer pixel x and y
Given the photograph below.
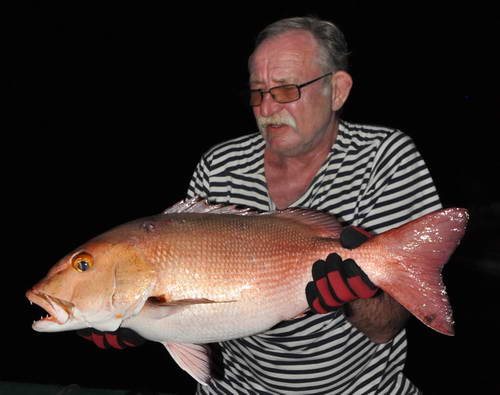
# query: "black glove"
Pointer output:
{"type": "Point", "coordinates": [353, 236]}
{"type": "Point", "coordinates": [120, 339]}
{"type": "Point", "coordinates": [335, 281]}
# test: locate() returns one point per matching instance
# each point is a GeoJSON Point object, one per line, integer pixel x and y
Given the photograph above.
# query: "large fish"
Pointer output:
{"type": "Point", "coordinates": [202, 273]}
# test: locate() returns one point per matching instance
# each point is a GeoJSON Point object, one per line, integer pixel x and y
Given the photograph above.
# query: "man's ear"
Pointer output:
{"type": "Point", "coordinates": [341, 87]}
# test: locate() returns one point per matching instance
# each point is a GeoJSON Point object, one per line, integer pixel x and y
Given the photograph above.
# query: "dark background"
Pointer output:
{"type": "Point", "coordinates": [109, 107]}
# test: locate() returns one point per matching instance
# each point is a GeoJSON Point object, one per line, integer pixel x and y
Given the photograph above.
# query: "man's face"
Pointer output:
{"type": "Point", "coordinates": [295, 128]}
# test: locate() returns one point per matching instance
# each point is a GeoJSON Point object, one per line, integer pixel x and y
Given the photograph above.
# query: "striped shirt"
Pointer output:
{"type": "Point", "coordinates": [374, 177]}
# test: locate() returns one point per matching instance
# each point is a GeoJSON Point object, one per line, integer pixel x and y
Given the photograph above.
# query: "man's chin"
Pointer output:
{"type": "Point", "coordinates": [283, 147]}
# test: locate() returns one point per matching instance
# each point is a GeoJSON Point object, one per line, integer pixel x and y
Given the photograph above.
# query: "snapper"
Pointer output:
{"type": "Point", "coordinates": [201, 273]}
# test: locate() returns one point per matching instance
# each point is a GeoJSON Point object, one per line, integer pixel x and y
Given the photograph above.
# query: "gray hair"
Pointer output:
{"type": "Point", "coordinates": [333, 54]}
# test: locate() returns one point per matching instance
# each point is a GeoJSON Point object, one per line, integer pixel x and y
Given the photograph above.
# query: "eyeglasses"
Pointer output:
{"type": "Point", "coordinates": [281, 94]}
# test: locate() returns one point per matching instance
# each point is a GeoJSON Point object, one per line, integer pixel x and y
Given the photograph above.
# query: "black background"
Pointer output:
{"type": "Point", "coordinates": [109, 107]}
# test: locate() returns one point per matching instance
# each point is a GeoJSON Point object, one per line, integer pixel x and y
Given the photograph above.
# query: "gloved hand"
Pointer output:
{"type": "Point", "coordinates": [120, 339]}
{"type": "Point", "coordinates": [335, 281]}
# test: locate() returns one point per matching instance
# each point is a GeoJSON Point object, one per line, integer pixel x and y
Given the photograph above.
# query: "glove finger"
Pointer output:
{"type": "Point", "coordinates": [130, 338]}
{"type": "Point", "coordinates": [321, 268]}
{"type": "Point", "coordinates": [326, 294]}
{"type": "Point", "coordinates": [85, 333]}
{"type": "Point", "coordinates": [99, 340]}
{"type": "Point", "coordinates": [112, 340]}
{"type": "Point", "coordinates": [341, 288]}
{"type": "Point", "coordinates": [358, 280]}
{"type": "Point", "coordinates": [94, 336]}
{"type": "Point", "coordinates": [318, 270]}
{"type": "Point", "coordinates": [352, 269]}
{"type": "Point", "coordinates": [325, 289]}
{"type": "Point", "coordinates": [362, 290]}
{"type": "Point", "coordinates": [313, 299]}
{"type": "Point", "coordinates": [333, 262]}
{"type": "Point", "coordinates": [337, 279]}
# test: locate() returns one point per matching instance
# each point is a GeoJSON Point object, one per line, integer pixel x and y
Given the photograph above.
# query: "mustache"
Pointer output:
{"type": "Point", "coordinates": [282, 118]}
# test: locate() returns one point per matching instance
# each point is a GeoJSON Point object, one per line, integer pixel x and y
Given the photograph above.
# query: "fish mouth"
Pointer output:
{"type": "Point", "coordinates": [58, 310]}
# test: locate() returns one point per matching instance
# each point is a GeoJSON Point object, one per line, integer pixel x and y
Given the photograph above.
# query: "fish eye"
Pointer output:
{"type": "Point", "coordinates": [82, 262]}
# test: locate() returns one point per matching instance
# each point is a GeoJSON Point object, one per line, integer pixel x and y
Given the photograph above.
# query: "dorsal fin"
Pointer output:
{"type": "Point", "coordinates": [197, 205]}
{"type": "Point", "coordinates": [324, 224]}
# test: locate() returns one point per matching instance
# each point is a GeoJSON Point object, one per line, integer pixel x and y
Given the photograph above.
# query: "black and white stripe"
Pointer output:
{"type": "Point", "coordinates": [374, 177]}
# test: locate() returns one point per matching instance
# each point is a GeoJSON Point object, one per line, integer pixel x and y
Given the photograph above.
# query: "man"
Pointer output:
{"type": "Point", "coordinates": [305, 156]}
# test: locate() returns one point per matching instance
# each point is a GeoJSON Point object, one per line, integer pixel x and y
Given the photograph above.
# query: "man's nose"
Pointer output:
{"type": "Point", "coordinates": [269, 106]}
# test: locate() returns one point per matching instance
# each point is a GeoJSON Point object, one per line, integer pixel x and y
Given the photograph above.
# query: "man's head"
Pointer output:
{"type": "Point", "coordinates": [296, 51]}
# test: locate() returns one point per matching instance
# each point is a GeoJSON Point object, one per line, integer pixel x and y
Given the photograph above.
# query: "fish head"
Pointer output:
{"type": "Point", "coordinates": [98, 285]}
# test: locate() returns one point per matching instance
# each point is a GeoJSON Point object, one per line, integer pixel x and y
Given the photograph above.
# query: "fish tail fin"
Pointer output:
{"type": "Point", "coordinates": [417, 252]}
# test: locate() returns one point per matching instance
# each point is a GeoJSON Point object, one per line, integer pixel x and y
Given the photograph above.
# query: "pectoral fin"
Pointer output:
{"type": "Point", "coordinates": [301, 315]}
{"type": "Point", "coordinates": [163, 300]}
{"type": "Point", "coordinates": [158, 307]}
{"type": "Point", "coordinates": [187, 302]}
{"type": "Point", "coordinates": [193, 358]}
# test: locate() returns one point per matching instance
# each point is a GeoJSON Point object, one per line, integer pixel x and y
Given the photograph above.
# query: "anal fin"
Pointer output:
{"type": "Point", "coordinates": [193, 358]}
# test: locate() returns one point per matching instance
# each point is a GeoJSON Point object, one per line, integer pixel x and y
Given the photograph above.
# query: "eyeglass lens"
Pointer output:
{"type": "Point", "coordinates": [281, 94]}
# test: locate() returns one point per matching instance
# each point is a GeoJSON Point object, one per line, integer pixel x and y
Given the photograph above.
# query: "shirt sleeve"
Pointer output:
{"type": "Point", "coordinates": [199, 185]}
{"type": "Point", "coordinates": [400, 188]}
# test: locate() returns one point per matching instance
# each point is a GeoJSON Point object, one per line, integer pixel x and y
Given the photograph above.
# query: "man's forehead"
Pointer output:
{"type": "Point", "coordinates": [282, 55]}
{"type": "Point", "coordinates": [278, 69]}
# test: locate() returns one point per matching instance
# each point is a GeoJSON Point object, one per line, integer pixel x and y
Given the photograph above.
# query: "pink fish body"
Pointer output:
{"type": "Point", "coordinates": [199, 274]}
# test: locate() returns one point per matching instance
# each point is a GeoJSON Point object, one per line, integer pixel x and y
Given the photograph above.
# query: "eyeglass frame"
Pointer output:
{"type": "Point", "coordinates": [299, 87]}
